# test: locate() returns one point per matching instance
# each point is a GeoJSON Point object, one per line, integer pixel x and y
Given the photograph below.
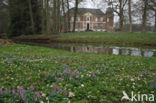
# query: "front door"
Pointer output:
{"type": "Point", "coordinates": [88, 26]}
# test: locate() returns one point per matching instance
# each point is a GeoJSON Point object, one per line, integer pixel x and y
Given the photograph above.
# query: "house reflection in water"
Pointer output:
{"type": "Point", "coordinates": [115, 50]}
{"type": "Point", "coordinates": [99, 50]}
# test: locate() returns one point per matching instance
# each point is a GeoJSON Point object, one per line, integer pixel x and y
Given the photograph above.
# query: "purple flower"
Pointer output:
{"type": "Point", "coordinates": [13, 91]}
{"type": "Point", "coordinates": [66, 71]}
{"type": "Point", "coordinates": [21, 92]}
{"type": "Point", "coordinates": [31, 87]}
{"type": "Point", "coordinates": [47, 74]}
{"type": "Point", "coordinates": [105, 69]}
{"type": "Point", "coordinates": [37, 94]}
{"type": "Point", "coordinates": [60, 91]}
{"type": "Point", "coordinates": [144, 73]}
{"type": "Point", "coordinates": [60, 79]}
{"type": "Point", "coordinates": [55, 88]}
{"type": "Point", "coordinates": [75, 74]}
{"type": "Point", "coordinates": [1, 90]}
{"type": "Point", "coordinates": [154, 74]}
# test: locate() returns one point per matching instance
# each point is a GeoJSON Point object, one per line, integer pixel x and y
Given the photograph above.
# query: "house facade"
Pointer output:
{"type": "Point", "coordinates": [92, 19]}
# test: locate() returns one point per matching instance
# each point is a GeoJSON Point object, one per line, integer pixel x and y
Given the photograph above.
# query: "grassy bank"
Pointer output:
{"type": "Point", "coordinates": [101, 37]}
{"type": "Point", "coordinates": [63, 76]}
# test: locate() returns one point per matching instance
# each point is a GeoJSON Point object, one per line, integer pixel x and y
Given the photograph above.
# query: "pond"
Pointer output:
{"type": "Point", "coordinates": [106, 49]}
{"type": "Point", "coordinates": [145, 51]}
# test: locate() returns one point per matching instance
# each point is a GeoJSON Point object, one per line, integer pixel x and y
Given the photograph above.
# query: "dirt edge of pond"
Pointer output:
{"type": "Point", "coordinates": [49, 40]}
{"type": "Point", "coordinates": [5, 42]}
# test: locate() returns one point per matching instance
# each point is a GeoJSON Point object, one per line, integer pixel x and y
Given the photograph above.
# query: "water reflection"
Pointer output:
{"type": "Point", "coordinates": [148, 53]}
{"type": "Point", "coordinates": [110, 50]}
{"type": "Point", "coordinates": [115, 50]}
{"type": "Point", "coordinates": [125, 52]}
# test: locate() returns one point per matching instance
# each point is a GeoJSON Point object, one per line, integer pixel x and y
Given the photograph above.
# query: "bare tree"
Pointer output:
{"type": "Point", "coordinates": [42, 15]}
{"type": "Point", "coordinates": [68, 15]}
{"type": "Point", "coordinates": [54, 16]}
{"type": "Point", "coordinates": [64, 15]}
{"type": "Point", "coordinates": [130, 16]}
{"type": "Point", "coordinates": [45, 14]}
{"type": "Point", "coordinates": [4, 17]}
{"type": "Point", "coordinates": [31, 16]}
{"type": "Point", "coordinates": [75, 14]}
{"type": "Point", "coordinates": [152, 6]}
{"type": "Point", "coordinates": [144, 16]}
{"type": "Point", "coordinates": [118, 7]}
{"type": "Point", "coordinates": [47, 17]}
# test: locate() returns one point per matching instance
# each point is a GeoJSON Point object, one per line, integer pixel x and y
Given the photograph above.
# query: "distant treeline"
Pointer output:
{"type": "Point", "coordinates": [28, 17]}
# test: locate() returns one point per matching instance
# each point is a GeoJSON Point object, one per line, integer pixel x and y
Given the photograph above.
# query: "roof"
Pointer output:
{"type": "Point", "coordinates": [86, 10]}
{"type": "Point", "coordinates": [109, 10]}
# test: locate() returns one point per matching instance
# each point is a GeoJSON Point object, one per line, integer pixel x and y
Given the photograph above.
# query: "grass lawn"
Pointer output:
{"type": "Point", "coordinates": [148, 38]}
{"type": "Point", "coordinates": [33, 74]}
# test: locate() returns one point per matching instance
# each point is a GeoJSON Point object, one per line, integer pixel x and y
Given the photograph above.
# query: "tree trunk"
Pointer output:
{"type": "Point", "coordinates": [75, 14]}
{"type": "Point", "coordinates": [144, 16]}
{"type": "Point", "coordinates": [155, 22]}
{"type": "Point", "coordinates": [120, 16]}
{"type": "Point", "coordinates": [58, 17]}
{"type": "Point", "coordinates": [130, 17]}
{"type": "Point", "coordinates": [68, 16]}
{"type": "Point", "coordinates": [121, 20]}
{"type": "Point", "coordinates": [47, 17]}
{"type": "Point", "coordinates": [64, 17]}
{"type": "Point", "coordinates": [43, 16]}
{"type": "Point", "coordinates": [54, 16]}
{"type": "Point", "coordinates": [31, 16]}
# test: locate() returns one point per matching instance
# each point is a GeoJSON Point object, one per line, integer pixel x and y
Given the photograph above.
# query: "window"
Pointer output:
{"type": "Point", "coordinates": [71, 26]}
{"type": "Point", "coordinates": [88, 18]}
{"type": "Point", "coordinates": [78, 25]}
{"type": "Point", "coordinates": [107, 19]}
{"type": "Point", "coordinates": [78, 18]}
{"type": "Point", "coordinates": [84, 18]}
{"type": "Point", "coordinates": [90, 25]}
{"type": "Point", "coordinates": [96, 19]}
{"type": "Point", "coordinates": [84, 25]}
{"type": "Point", "coordinates": [72, 19]}
{"type": "Point", "coordinates": [101, 19]}
{"type": "Point", "coordinates": [81, 18]}
{"type": "Point", "coordinates": [96, 26]}
{"type": "Point", "coordinates": [101, 26]}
